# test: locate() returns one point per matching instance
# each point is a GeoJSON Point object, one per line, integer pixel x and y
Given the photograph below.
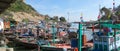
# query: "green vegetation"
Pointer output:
{"type": "Point", "coordinates": [26, 20]}
{"type": "Point", "coordinates": [47, 18]}
{"type": "Point", "coordinates": [54, 18]}
{"type": "Point", "coordinates": [62, 19]}
{"type": "Point", "coordinates": [108, 14]}
{"type": "Point", "coordinates": [6, 13]}
{"type": "Point", "coordinates": [20, 6]}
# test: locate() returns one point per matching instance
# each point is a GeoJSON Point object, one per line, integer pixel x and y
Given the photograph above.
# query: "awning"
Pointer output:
{"type": "Point", "coordinates": [110, 24]}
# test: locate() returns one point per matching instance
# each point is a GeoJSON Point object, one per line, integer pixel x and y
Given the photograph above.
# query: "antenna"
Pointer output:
{"type": "Point", "coordinates": [99, 16]}
{"type": "Point", "coordinates": [113, 6]}
{"type": "Point", "coordinates": [68, 16]}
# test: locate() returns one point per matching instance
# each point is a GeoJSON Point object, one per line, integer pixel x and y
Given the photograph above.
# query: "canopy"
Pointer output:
{"type": "Point", "coordinates": [110, 24]}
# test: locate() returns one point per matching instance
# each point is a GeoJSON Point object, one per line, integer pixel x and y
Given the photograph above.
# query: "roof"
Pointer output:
{"type": "Point", "coordinates": [111, 24]}
{"type": "Point", "coordinates": [4, 4]}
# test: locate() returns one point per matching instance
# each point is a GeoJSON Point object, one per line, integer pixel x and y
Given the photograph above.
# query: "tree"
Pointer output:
{"type": "Point", "coordinates": [47, 18]}
{"type": "Point", "coordinates": [62, 19]}
{"type": "Point", "coordinates": [55, 18]}
{"type": "Point", "coordinates": [26, 20]}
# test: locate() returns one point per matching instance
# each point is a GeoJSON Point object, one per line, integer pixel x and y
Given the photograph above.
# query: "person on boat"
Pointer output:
{"type": "Point", "coordinates": [43, 41]}
{"type": "Point", "coordinates": [62, 35]}
{"type": "Point", "coordinates": [110, 29]}
{"type": "Point", "coordinates": [38, 31]}
{"type": "Point", "coordinates": [105, 30]}
{"type": "Point", "coordinates": [30, 32]}
{"type": "Point", "coordinates": [40, 40]}
{"type": "Point", "coordinates": [47, 40]}
{"type": "Point", "coordinates": [99, 33]}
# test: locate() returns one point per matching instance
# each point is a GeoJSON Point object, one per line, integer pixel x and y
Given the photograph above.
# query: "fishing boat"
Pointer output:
{"type": "Point", "coordinates": [27, 42]}
{"type": "Point", "coordinates": [107, 40]}
{"type": "Point", "coordinates": [11, 37]}
{"type": "Point", "coordinates": [56, 47]}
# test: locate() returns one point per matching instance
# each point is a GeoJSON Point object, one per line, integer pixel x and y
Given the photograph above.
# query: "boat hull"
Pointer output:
{"type": "Point", "coordinates": [26, 44]}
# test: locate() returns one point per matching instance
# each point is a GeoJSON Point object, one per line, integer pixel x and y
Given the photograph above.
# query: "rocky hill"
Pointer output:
{"type": "Point", "coordinates": [20, 10]}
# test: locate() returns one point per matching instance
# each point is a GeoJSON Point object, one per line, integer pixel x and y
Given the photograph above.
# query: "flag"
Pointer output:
{"type": "Point", "coordinates": [99, 16]}
{"type": "Point", "coordinates": [109, 15]}
{"type": "Point", "coordinates": [93, 27]}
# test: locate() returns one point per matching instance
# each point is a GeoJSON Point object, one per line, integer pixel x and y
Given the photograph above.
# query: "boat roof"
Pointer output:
{"type": "Point", "coordinates": [111, 24]}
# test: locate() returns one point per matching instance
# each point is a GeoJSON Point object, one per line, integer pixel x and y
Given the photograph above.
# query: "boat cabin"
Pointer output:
{"type": "Point", "coordinates": [107, 41]}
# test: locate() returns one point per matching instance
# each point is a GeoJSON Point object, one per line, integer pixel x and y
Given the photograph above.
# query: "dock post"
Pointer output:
{"type": "Point", "coordinates": [80, 38]}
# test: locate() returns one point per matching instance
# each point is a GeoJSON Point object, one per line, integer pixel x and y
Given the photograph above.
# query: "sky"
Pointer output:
{"type": "Point", "coordinates": [88, 8]}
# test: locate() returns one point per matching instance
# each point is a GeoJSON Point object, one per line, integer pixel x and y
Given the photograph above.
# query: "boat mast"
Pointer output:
{"type": "Point", "coordinates": [68, 16]}
{"type": "Point", "coordinates": [80, 34]}
{"type": "Point", "coordinates": [99, 16]}
{"type": "Point", "coordinates": [114, 28]}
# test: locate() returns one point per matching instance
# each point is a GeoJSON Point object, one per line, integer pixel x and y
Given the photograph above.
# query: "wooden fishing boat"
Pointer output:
{"type": "Point", "coordinates": [26, 42]}
{"type": "Point", "coordinates": [11, 37]}
{"type": "Point", "coordinates": [107, 40]}
{"type": "Point", "coordinates": [56, 47]}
